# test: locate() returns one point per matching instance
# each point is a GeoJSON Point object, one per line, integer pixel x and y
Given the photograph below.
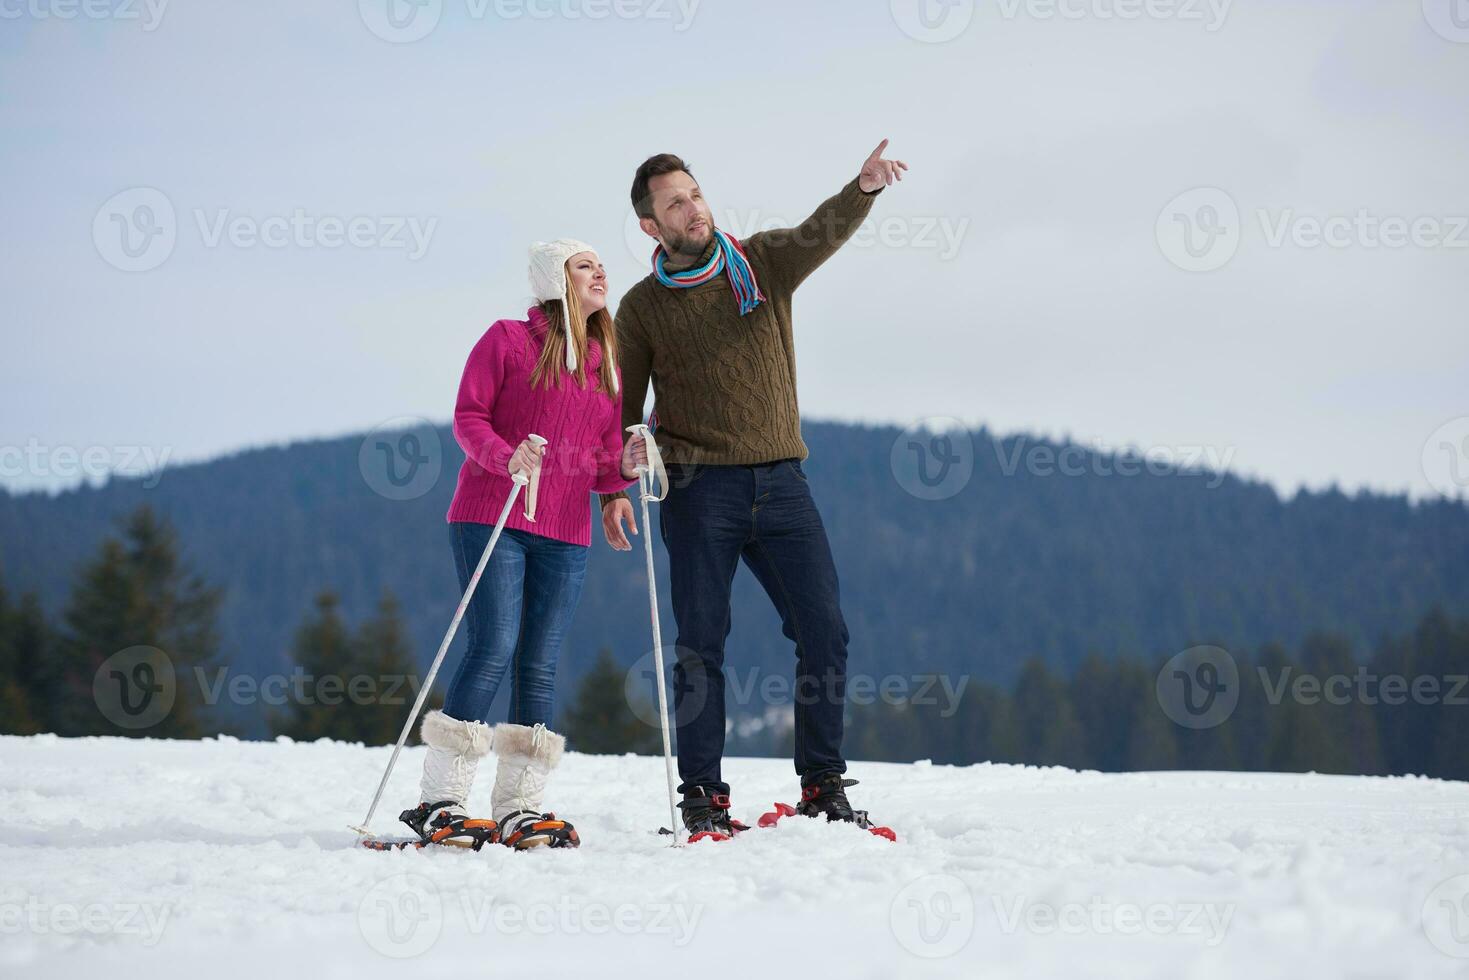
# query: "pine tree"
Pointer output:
{"type": "Point", "coordinates": [601, 721]}
{"type": "Point", "coordinates": [1045, 719]}
{"type": "Point", "coordinates": [382, 664]}
{"type": "Point", "coordinates": [137, 593]}
{"type": "Point", "coordinates": [323, 652]}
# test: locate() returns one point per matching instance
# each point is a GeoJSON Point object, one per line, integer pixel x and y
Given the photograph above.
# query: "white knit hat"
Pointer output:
{"type": "Point", "coordinates": [548, 282]}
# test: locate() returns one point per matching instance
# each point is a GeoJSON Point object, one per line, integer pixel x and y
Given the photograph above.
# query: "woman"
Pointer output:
{"type": "Point", "coordinates": [553, 374]}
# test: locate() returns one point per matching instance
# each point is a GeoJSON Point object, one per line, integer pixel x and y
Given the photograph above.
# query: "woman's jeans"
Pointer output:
{"type": "Point", "coordinates": [516, 618]}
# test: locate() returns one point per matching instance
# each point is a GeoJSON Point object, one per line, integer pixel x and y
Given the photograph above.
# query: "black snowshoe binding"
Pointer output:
{"type": "Point", "coordinates": [706, 815]}
{"type": "Point", "coordinates": [525, 829]}
{"type": "Point", "coordinates": [827, 796]}
{"type": "Point", "coordinates": [444, 822]}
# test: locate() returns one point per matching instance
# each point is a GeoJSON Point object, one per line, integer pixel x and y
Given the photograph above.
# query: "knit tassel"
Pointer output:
{"type": "Point", "coordinates": [570, 350]}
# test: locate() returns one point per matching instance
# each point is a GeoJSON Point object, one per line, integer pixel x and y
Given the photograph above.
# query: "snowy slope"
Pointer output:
{"type": "Point", "coordinates": [136, 858]}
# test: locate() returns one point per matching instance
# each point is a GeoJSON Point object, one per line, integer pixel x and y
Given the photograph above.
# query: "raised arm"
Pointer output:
{"type": "Point", "coordinates": [792, 254]}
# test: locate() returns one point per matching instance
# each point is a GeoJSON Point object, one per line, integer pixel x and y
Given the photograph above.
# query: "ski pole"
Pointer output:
{"type": "Point", "coordinates": [517, 480]}
{"type": "Point", "coordinates": [648, 473]}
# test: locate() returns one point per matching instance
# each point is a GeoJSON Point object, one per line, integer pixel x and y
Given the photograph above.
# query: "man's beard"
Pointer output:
{"type": "Point", "coordinates": [680, 246]}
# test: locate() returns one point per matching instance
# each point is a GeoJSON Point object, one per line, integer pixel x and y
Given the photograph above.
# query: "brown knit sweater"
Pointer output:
{"type": "Point", "coordinates": [724, 385]}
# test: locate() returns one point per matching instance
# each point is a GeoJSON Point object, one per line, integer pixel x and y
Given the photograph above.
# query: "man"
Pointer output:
{"type": "Point", "coordinates": [711, 327]}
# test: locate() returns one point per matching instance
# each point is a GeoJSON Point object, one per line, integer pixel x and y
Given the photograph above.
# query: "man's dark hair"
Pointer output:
{"type": "Point", "coordinates": [654, 166]}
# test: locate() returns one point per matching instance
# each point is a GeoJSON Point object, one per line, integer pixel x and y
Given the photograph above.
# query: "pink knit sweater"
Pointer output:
{"type": "Point", "coordinates": [497, 408]}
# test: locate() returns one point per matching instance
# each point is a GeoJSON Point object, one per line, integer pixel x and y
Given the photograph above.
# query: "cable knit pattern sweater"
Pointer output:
{"type": "Point", "coordinates": [497, 408]}
{"type": "Point", "coordinates": [724, 385]}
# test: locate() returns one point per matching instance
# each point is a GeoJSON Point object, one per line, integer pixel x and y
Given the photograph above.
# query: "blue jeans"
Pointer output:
{"type": "Point", "coordinates": [518, 614]}
{"type": "Point", "coordinates": [715, 517]}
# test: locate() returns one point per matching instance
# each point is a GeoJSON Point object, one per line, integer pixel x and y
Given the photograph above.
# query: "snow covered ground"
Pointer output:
{"type": "Point", "coordinates": [136, 858]}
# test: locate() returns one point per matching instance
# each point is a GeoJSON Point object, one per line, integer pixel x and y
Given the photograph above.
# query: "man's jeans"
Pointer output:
{"type": "Point", "coordinates": [714, 517]}
{"type": "Point", "coordinates": [518, 615]}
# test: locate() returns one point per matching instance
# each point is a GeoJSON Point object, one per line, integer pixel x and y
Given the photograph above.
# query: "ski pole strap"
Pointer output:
{"type": "Point", "coordinates": [656, 471]}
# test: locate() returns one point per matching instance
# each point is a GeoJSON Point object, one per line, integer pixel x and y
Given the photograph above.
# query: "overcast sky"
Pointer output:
{"type": "Point", "coordinates": [1110, 231]}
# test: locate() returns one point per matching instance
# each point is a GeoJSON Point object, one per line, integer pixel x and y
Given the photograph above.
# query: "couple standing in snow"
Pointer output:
{"type": "Point", "coordinates": [711, 328]}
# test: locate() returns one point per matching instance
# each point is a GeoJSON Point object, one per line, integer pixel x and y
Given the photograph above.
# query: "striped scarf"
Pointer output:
{"type": "Point", "coordinates": [728, 256]}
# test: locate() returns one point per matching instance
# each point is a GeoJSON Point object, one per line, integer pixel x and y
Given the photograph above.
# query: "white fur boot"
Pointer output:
{"type": "Point", "coordinates": [454, 750]}
{"type": "Point", "coordinates": [527, 756]}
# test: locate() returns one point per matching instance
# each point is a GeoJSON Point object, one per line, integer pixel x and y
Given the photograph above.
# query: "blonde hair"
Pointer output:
{"type": "Point", "coordinates": [553, 352]}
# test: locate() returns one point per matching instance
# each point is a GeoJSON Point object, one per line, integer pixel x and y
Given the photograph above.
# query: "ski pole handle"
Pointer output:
{"type": "Point", "coordinates": [653, 469]}
{"type": "Point", "coordinates": [534, 478]}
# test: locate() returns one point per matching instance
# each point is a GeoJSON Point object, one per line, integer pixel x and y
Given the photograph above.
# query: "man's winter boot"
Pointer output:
{"type": "Point", "coordinates": [706, 815]}
{"type": "Point", "coordinates": [826, 795]}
